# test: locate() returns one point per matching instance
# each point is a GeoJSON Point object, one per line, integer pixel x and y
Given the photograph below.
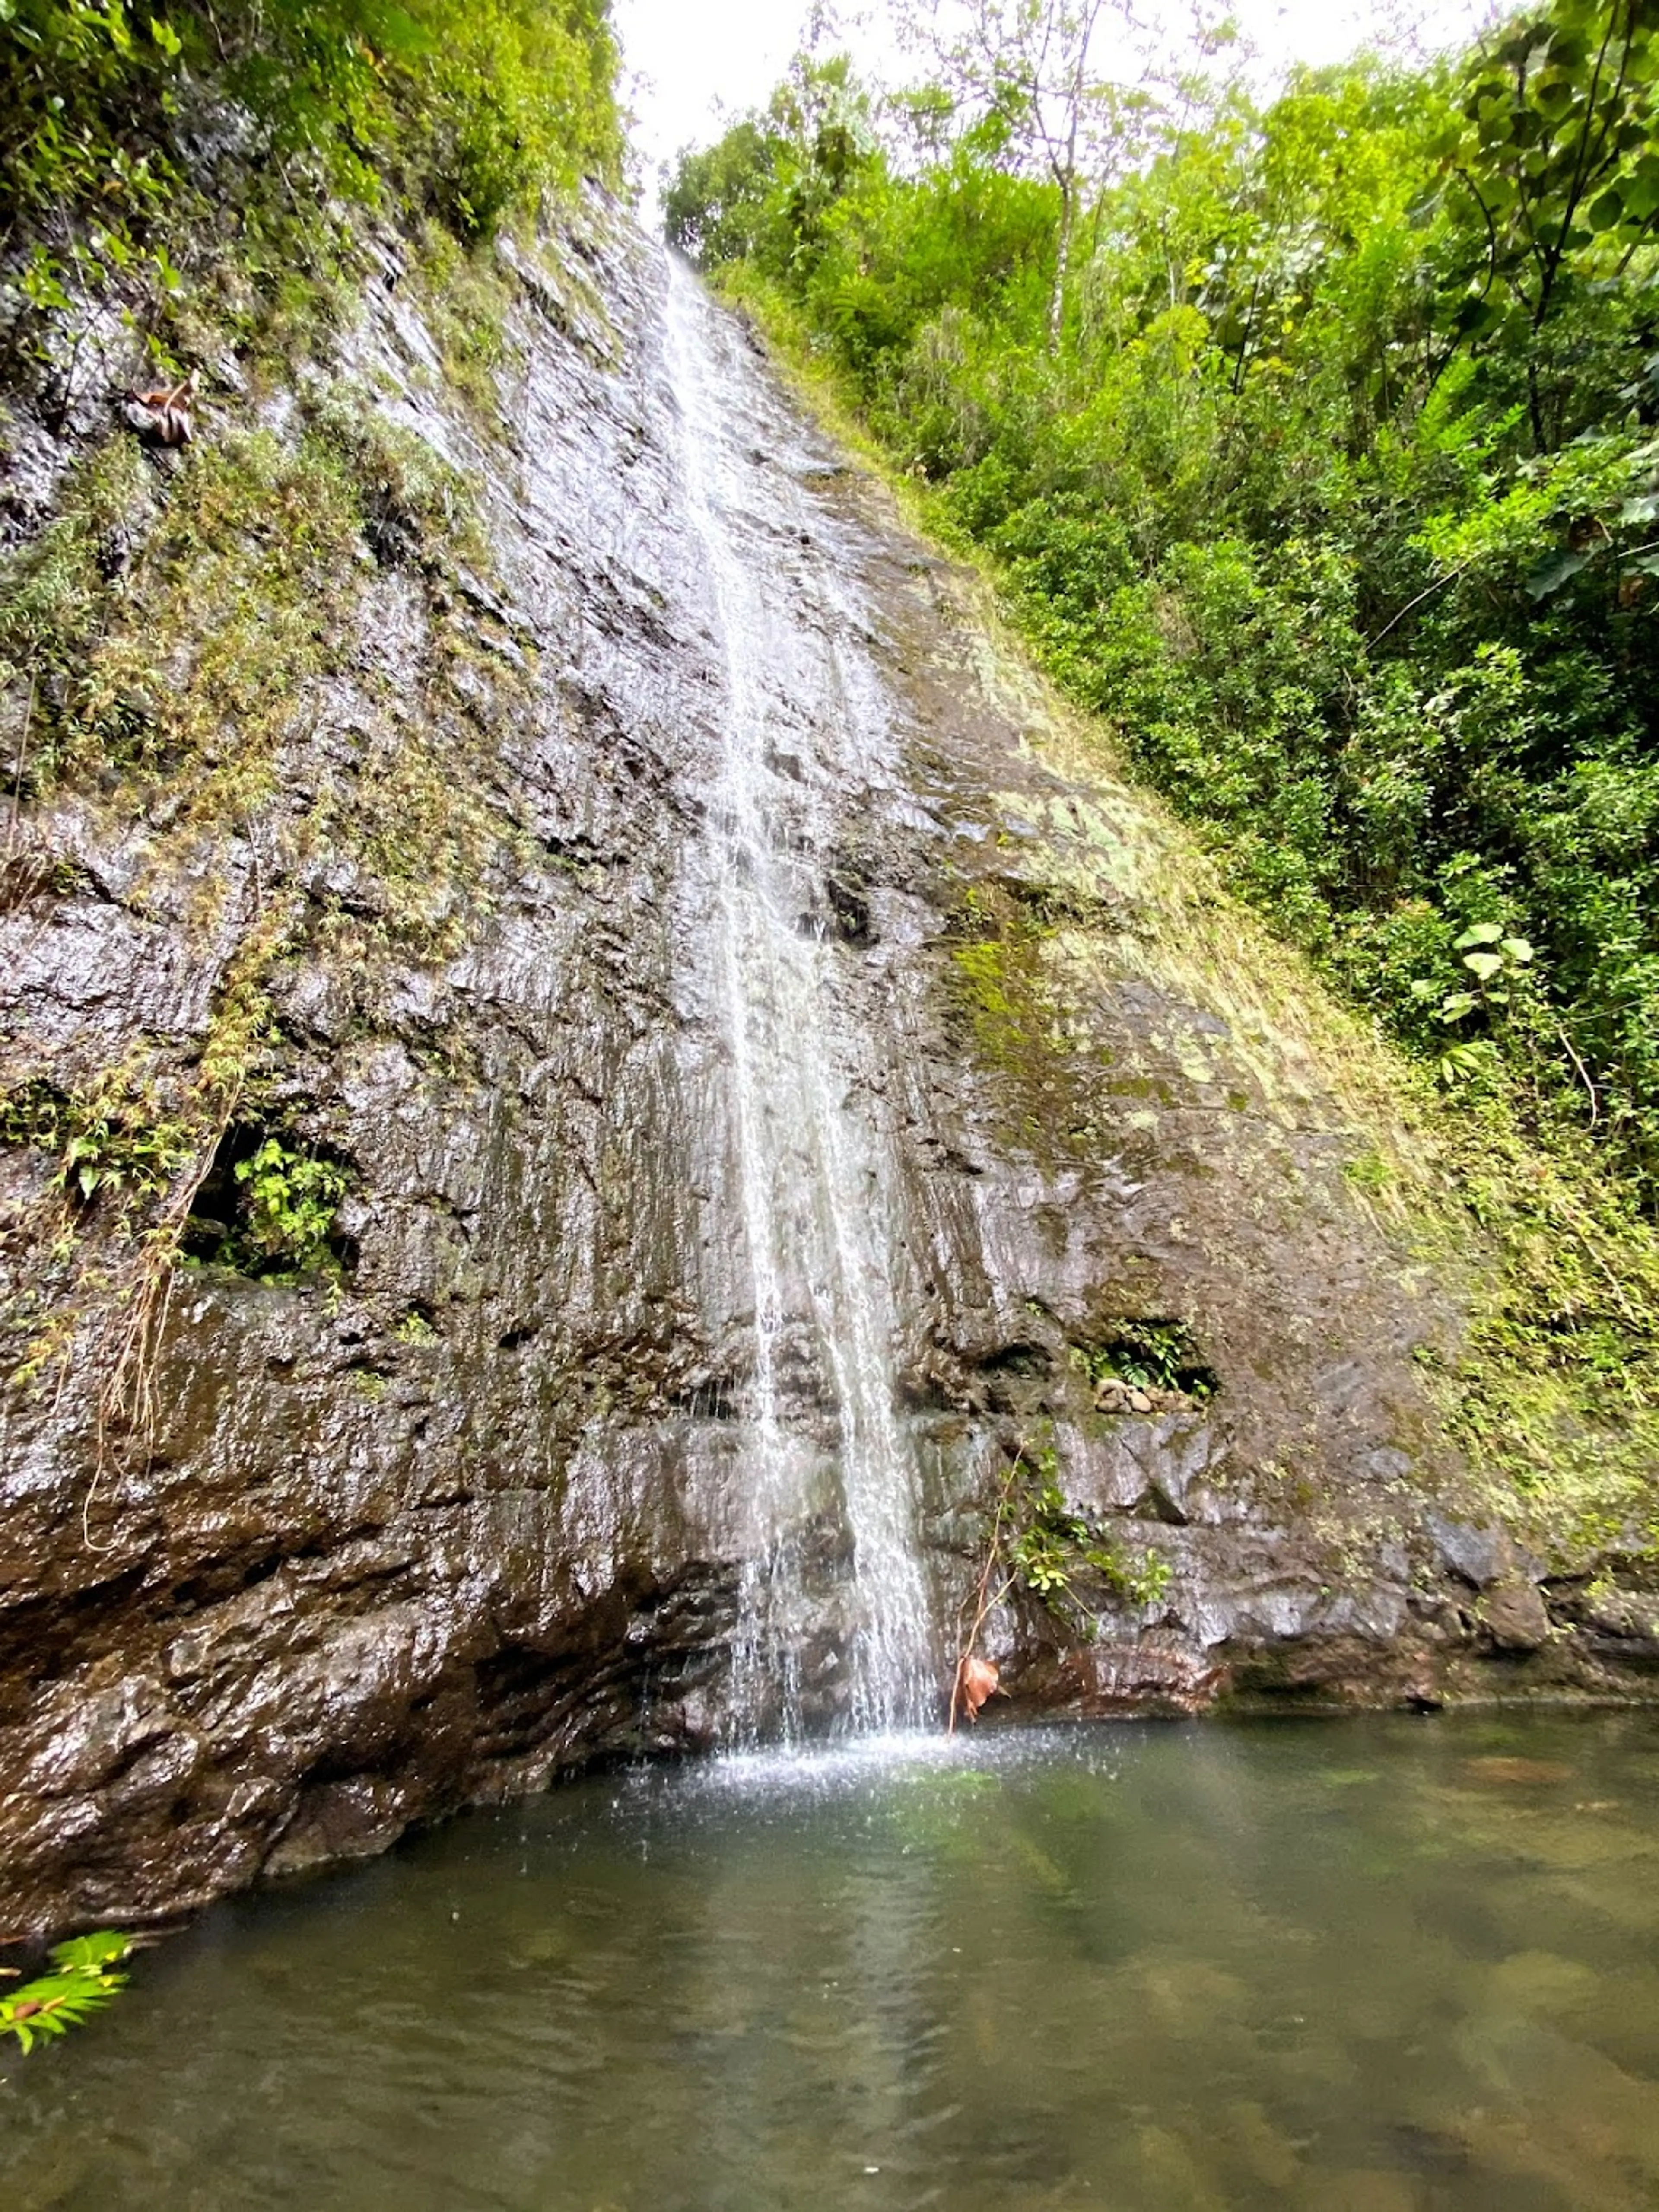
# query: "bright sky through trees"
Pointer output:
{"type": "Point", "coordinates": [691, 64]}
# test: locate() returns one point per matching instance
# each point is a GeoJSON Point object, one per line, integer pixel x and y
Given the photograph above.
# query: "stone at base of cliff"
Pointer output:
{"type": "Point", "coordinates": [1514, 1615]}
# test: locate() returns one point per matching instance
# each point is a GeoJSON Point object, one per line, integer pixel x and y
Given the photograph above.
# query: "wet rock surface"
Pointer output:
{"type": "Point", "coordinates": [476, 1516]}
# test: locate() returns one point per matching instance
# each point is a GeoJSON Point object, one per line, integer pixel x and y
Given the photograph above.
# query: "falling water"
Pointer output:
{"type": "Point", "coordinates": [803, 716]}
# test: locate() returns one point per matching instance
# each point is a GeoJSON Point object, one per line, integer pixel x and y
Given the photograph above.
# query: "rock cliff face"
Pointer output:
{"type": "Point", "coordinates": [480, 1511]}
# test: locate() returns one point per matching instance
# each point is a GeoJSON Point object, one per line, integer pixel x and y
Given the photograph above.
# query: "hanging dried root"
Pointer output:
{"type": "Point", "coordinates": [165, 415]}
{"type": "Point", "coordinates": [126, 1405]}
{"type": "Point", "coordinates": [976, 1680]}
{"type": "Point", "coordinates": [126, 1398]}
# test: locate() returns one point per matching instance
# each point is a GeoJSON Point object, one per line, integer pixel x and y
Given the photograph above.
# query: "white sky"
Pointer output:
{"type": "Point", "coordinates": [688, 62]}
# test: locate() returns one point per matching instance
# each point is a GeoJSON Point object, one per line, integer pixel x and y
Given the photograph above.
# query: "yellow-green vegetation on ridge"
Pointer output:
{"type": "Point", "coordinates": [330, 110]}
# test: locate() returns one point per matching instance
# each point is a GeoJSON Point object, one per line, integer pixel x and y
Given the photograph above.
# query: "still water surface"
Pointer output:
{"type": "Point", "coordinates": [1380, 1966]}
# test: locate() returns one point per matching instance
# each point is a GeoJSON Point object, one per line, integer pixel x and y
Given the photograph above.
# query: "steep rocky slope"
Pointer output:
{"type": "Point", "coordinates": [466, 1507]}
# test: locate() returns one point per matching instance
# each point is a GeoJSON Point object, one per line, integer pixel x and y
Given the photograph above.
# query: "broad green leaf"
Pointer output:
{"type": "Point", "coordinates": [1550, 575]}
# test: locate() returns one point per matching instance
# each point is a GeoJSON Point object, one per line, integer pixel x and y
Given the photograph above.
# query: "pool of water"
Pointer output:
{"type": "Point", "coordinates": [1361, 1966]}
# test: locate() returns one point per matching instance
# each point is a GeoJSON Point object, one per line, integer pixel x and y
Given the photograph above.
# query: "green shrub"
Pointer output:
{"type": "Point", "coordinates": [84, 1980]}
{"type": "Point", "coordinates": [111, 1137]}
{"type": "Point", "coordinates": [467, 110]}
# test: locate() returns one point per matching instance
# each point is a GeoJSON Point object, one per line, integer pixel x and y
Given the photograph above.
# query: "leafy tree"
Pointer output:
{"type": "Point", "coordinates": [715, 208]}
{"type": "Point", "coordinates": [766, 189]}
{"type": "Point", "coordinates": [1556, 147]}
{"type": "Point", "coordinates": [1028, 62]}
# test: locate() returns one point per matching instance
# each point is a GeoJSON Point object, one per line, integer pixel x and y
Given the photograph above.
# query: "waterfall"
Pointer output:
{"type": "Point", "coordinates": [803, 720]}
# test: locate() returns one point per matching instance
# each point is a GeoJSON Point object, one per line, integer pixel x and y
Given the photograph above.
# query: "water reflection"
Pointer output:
{"type": "Point", "coordinates": [1376, 1966]}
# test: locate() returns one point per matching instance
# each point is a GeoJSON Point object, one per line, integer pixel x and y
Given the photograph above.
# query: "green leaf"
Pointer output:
{"type": "Point", "coordinates": [1482, 933]}
{"type": "Point", "coordinates": [106, 1947]}
{"type": "Point", "coordinates": [1475, 316]}
{"type": "Point", "coordinates": [1461, 1063]}
{"type": "Point", "coordinates": [1549, 576]}
{"type": "Point", "coordinates": [1485, 965]}
{"type": "Point", "coordinates": [1518, 950]}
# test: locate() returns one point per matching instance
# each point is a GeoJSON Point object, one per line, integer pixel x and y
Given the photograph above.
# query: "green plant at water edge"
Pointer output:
{"type": "Point", "coordinates": [1038, 1543]}
{"type": "Point", "coordinates": [85, 1977]}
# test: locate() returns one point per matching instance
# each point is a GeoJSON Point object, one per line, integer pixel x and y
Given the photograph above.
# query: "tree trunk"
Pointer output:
{"type": "Point", "coordinates": [1062, 261]}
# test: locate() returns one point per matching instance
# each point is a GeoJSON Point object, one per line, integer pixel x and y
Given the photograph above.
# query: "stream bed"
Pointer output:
{"type": "Point", "coordinates": [1383, 1964]}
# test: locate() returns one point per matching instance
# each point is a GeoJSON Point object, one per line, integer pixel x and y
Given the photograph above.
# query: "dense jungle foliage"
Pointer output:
{"type": "Point", "coordinates": [133, 144]}
{"type": "Point", "coordinates": [1316, 444]}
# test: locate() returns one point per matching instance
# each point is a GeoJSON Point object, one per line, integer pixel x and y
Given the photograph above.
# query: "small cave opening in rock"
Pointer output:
{"type": "Point", "coordinates": [843, 915]}
{"type": "Point", "coordinates": [218, 1580]}
{"type": "Point", "coordinates": [1018, 1358]}
{"type": "Point", "coordinates": [851, 910]}
{"type": "Point", "coordinates": [268, 1205]}
{"type": "Point", "coordinates": [418, 1324]}
{"type": "Point", "coordinates": [1157, 1353]}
